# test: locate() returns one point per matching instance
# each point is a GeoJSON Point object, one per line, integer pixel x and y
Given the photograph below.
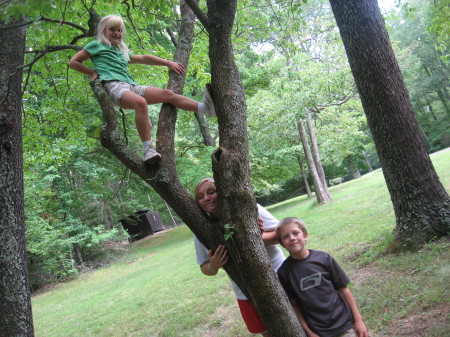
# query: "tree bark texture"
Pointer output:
{"type": "Point", "coordinates": [420, 201]}
{"type": "Point", "coordinates": [15, 303]}
{"type": "Point", "coordinates": [254, 274]}
{"type": "Point", "coordinates": [322, 195]}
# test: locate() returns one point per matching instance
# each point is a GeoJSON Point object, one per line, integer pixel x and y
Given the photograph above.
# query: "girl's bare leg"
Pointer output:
{"type": "Point", "coordinates": [156, 95]}
{"type": "Point", "coordinates": [130, 100]}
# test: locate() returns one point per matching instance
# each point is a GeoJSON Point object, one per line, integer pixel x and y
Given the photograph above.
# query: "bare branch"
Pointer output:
{"type": "Point", "coordinates": [16, 26]}
{"type": "Point", "coordinates": [54, 48]}
{"type": "Point", "coordinates": [71, 24]}
{"type": "Point", "coordinates": [172, 37]}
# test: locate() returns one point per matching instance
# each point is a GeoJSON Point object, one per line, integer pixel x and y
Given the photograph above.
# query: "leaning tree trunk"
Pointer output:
{"type": "Point", "coordinates": [366, 159]}
{"type": "Point", "coordinates": [303, 174]}
{"type": "Point", "coordinates": [208, 140]}
{"type": "Point", "coordinates": [421, 204]}
{"type": "Point", "coordinates": [322, 195]}
{"type": "Point", "coordinates": [15, 303]}
{"type": "Point", "coordinates": [315, 150]}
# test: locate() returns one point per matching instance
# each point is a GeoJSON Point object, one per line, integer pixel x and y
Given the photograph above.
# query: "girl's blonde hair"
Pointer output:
{"type": "Point", "coordinates": [290, 221]}
{"type": "Point", "coordinates": [116, 22]}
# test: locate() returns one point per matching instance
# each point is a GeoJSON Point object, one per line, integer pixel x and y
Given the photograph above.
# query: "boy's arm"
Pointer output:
{"type": "Point", "coordinates": [76, 63]}
{"type": "Point", "coordinates": [298, 313]}
{"type": "Point", "coordinates": [152, 60]}
{"type": "Point", "coordinates": [359, 326]}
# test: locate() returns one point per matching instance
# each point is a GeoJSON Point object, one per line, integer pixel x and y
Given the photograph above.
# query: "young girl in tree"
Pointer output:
{"type": "Point", "coordinates": [111, 56]}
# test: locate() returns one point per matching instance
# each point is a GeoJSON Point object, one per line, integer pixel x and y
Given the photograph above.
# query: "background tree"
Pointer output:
{"type": "Point", "coordinates": [420, 202]}
{"type": "Point", "coordinates": [15, 302]}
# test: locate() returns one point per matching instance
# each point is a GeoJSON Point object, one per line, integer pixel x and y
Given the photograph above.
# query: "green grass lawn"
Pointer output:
{"type": "Point", "coordinates": [156, 289]}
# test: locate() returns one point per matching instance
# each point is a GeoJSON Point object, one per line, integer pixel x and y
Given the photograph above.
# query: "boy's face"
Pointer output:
{"type": "Point", "coordinates": [294, 241]}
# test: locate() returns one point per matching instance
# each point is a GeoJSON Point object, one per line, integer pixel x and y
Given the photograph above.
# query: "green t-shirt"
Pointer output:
{"type": "Point", "coordinates": [109, 62]}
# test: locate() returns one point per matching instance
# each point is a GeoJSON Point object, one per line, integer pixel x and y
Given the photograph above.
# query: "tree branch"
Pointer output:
{"type": "Point", "coordinates": [71, 24]}
{"type": "Point", "coordinates": [17, 25]}
{"type": "Point", "coordinates": [53, 48]}
{"type": "Point", "coordinates": [198, 12]}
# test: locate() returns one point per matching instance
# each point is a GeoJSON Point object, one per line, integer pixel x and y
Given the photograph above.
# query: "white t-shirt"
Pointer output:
{"type": "Point", "coordinates": [275, 253]}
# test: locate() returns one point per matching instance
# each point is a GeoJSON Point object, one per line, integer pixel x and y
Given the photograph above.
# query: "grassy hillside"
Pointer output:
{"type": "Point", "coordinates": [156, 289]}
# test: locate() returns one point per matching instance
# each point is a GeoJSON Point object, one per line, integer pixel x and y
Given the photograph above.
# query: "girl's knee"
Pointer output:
{"type": "Point", "coordinates": [130, 100]}
{"type": "Point", "coordinates": [169, 96]}
{"type": "Point", "coordinates": [140, 105]}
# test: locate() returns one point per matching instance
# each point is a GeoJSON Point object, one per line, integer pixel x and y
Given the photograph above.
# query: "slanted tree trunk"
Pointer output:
{"type": "Point", "coordinates": [322, 195]}
{"type": "Point", "coordinates": [15, 303]}
{"type": "Point", "coordinates": [109, 219]}
{"type": "Point", "coordinates": [248, 265]}
{"type": "Point", "coordinates": [367, 161]}
{"type": "Point", "coordinates": [421, 204]}
{"type": "Point", "coordinates": [315, 150]}
{"type": "Point", "coordinates": [305, 181]}
{"type": "Point", "coordinates": [355, 170]}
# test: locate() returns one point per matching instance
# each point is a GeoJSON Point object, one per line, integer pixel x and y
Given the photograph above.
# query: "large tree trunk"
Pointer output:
{"type": "Point", "coordinates": [231, 172]}
{"type": "Point", "coordinates": [421, 204]}
{"type": "Point", "coordinates": [322, 195]}
{"type": "Point", "coordinates": [15, 303]}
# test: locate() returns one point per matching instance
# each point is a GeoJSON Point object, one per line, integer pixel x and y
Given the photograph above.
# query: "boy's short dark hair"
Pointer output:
{"type": "Point", "coordinates": [290, 221]}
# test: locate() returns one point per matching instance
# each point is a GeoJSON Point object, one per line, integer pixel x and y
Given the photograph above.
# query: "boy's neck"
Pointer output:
{"type": "Point", "coordinates": [300, 255]}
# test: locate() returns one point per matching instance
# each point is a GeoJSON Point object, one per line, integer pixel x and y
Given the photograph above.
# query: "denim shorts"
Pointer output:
{"type": "Point", "coordinates": [115, 89]}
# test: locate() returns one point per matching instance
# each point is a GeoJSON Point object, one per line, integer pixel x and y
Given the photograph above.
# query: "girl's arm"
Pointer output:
{"type": "Point", "coordinates": [216, 261]}
{"type": "Point", "coordinates": [359, 326]}
{"type": "Point", "coordinates": [269, 238]}
{"type": "Point", "coordinates": [152, 60]}
{"type": "Point", "coordinates": [76, 63]}
{"type": "Point", "coordinates": [298, 313]}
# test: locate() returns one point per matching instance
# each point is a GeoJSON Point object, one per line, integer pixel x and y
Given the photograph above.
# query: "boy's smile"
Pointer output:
{"type": "Point", "coordinates": [294, 241]}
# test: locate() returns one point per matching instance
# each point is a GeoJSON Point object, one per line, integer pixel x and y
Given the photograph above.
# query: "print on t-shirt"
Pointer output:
{"type": "Point", "coordinates": [311, 281]}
